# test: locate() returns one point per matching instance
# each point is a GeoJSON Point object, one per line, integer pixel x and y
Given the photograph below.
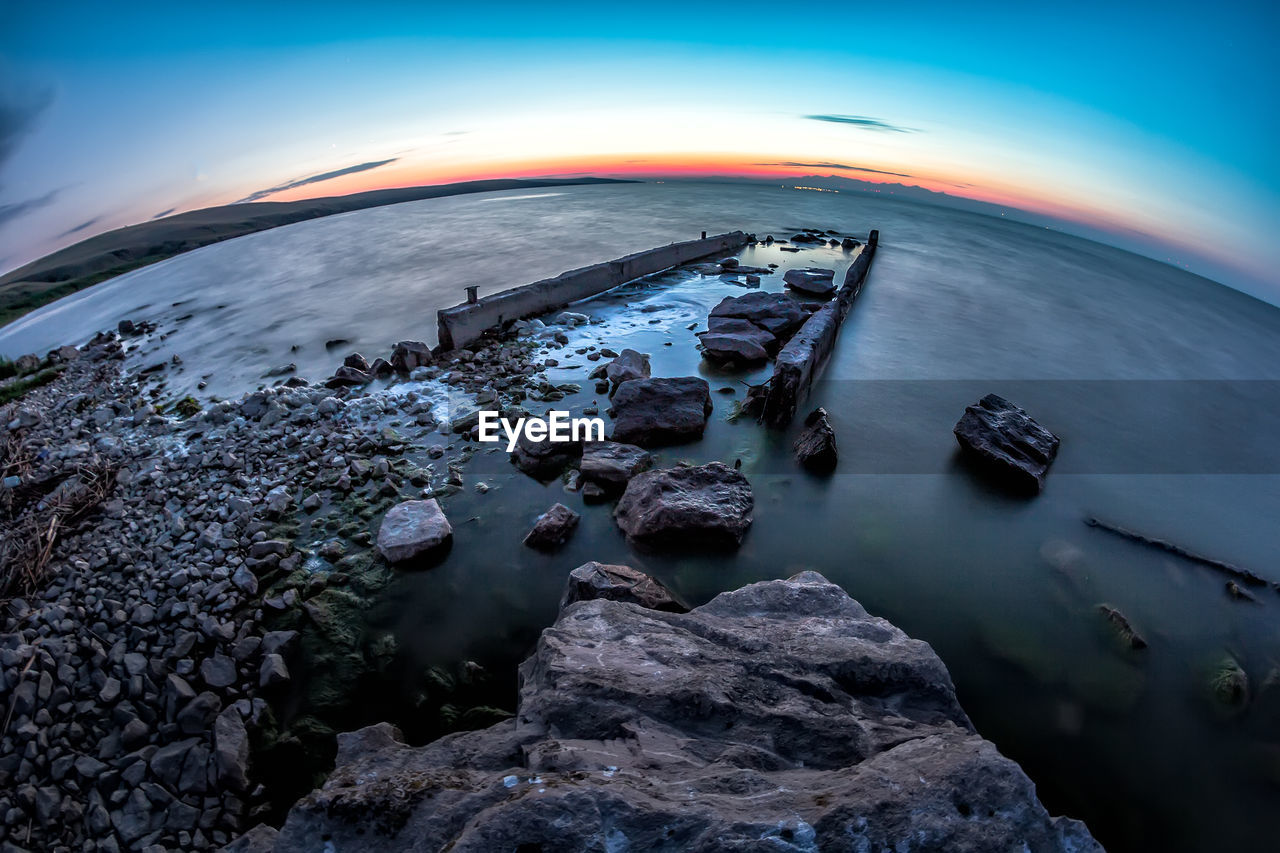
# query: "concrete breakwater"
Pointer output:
{"type": "Point", "coordinates": [801, 360]}
{"type": "Point", "coordinates": [462, 324]}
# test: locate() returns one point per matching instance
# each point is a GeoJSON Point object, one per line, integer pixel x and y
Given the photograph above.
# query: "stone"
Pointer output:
{"type": "Point", "coordinates": [414, 530]}
{"type": "Point", "coordinates": [1007, 444]}
{"type": "Point", "coordinates": [273, 671]}
{"type": "Point", "coordinates": [544, 460]}
{"type": "Point", "coordinates": [407, 355]}
{"type": "Point", "coordinates": [348, 377]}
{"type": "Point", "coordinates": [218, 671]}
{"type": "Point", "coordinates": [815, 449]}
{"type": "Point", "coordinates": [231, 750]}
{"type": "Point", "coordinates": [260, 839]}
{"type": "Point", "coordinates": [780, 716]}
{"type": "Point", "coordinates": [618, 583]}
{"type": "Point", "coordinates": [687, 506]}
{"type": "Point", "coordinates": [780, 314]}
{"type": "Point", "coordinates": [656, 412]}
{"type": "Point", "coordinates": [611, 464]}
{"type": "Point", "coordinates": [197, 714]}
{"type": "Point", "coordinates": [812, 281]}
{"type": "Point", "coordinates": [741, 348]}
{"type": "Point", "coordinates": [627, 366]}
{"type": "Point", "coordinates": [356, 362]}
{"type": "Point", "coordinates": [553, 528]}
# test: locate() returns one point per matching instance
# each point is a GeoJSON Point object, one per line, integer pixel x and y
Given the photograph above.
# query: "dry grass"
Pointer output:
{"type": "Point", "coordinates": [32, 521]}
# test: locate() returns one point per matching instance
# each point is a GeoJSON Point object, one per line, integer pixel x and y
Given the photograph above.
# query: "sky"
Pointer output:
{"type": "Point", "coordinates": [1154, 125]}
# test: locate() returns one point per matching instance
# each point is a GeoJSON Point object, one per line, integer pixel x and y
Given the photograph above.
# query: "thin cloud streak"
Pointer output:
{"type": "Point", "coordinates": [863, 123]}
{"type": "Point", "coordinates": [10, 212]}
{"type": "Point", "coordinates": [315, 179]}
{"type": "Point", "coordinates": [842, 166]}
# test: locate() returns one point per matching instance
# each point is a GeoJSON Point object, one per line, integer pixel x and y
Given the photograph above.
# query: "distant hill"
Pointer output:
{"type": "Point", "coordinates": [114, 252]}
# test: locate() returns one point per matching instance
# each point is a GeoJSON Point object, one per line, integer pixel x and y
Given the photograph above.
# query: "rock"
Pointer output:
{"type": "Point", "coordinates": [816, 447]}
{"type": "Point", "coordinates": [812, 281]}
{"type": "Point", "coordinates": [780, 716]}
{"type": "Point", "coordinates": [611, 465]}
{"type": "Point", "coordinates": [728, 263]}
{"type": "Point", "coordinates": [544, 460]}
{"type": "Point", "coordinates": [413, 530]}
{"type": "Point", "coordinates": [777, 313]}
{"type": "Point", "coordinates": [197, 714]}
{"type": "Point", "coordinates": [218, 671]}
{"type": "Point", "coordinates": [618, 583]}
{"type": "Point", "coordinates": [348, 377]}
{"type": "Point", "coordinates": [849, 243]}
{"type": "Point", "coordinates": [231, 750]}
{"type": "Point", "coordinates": [741, 347]}
{"type": "Point", "coordinates": [553, 528]}
{"type": "Point", "coordinates": [260, 839]}
{"type": "Point", "coordinates": [655, 412]}
{"type": "Point", "coordinates": [273, 671]}
{"type": "Point", "coordinates": [407, 355]}
{"type": "Point", "coordinates": [627, 366]}
{"type": "Point", "coordinates": [1007, 444]}
{"type": "Point", "coordinates": [1123, 630]}
{"type": "Point", "coordinates": [704, 506]}
{"type": "Point", "coordinates": [356, 362]}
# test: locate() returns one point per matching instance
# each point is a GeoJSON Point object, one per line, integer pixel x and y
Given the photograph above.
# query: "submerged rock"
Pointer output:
{"type": "Point", "coordinates": [413, 530]}
{"type": "Point", "coordinates": [816, 447]}
{"type": "Point", "coordinates": [611, 464]}
{"type": "Point", "coordinates": [627, 366]}
{"type": "Point", "coordinates": [654, 412]}
{"type": "Point", "coordinates": [618, 583]}
{"type": "Point", "coordinates": [812, 281]}
{"type": "Point", "coordinates": [553, 528]}
{"type": "Point", "coordinates": [1005, 441]}
{"type": "Point", "coordinates": [544, 460]}
{"type": "Point", "coordinates": [703, 506]}
{"type": "Point", "coordinates": [1124, 631]}
{"type": "Point", "coordinates": [779, 716]}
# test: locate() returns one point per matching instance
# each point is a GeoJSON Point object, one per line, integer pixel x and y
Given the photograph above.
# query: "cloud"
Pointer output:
{"type": "Point", "coordinates": [864, 123]}
{"type": "Point", "coordinates": [162, 214]}
{"type": "Point", "coordinates": [842, 166]}
{"type": "Point", "coordinates": [82, 226]}
{"type": "Point", "coordinates": [315, 179]}
{"type": "Point", "coordinates": [10, 212]}
{"type": "Point", "coordinates": [19, 110]}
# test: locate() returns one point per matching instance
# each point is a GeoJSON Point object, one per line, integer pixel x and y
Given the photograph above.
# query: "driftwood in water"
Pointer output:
{"type": "Point", "coordinates": [1217, 565]}
{"type": "Point", "coordinates": [800, 361]}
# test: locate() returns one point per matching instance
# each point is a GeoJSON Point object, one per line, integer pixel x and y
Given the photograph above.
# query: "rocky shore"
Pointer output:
{"type": "Point", "coordinates": [780, 716]}
{"type": "Point", "coordinates": [184, 588]}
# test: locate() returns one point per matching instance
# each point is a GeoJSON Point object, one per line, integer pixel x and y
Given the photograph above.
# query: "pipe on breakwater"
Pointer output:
{"type": "Point", "coordinates": [801, 360]}
{"type": "Point", "coordinates": [462, 324]}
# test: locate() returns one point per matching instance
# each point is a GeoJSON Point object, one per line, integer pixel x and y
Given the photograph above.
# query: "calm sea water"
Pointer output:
{"type": "Point", "coordinates": [1163, 387]}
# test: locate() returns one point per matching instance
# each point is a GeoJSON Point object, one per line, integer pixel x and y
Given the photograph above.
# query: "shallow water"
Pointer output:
{"type": "Point", "coordinates": [1163, 387]}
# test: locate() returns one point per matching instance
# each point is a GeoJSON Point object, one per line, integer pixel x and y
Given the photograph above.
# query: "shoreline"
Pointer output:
{"type": "Point", "coordinates": [113, 253]}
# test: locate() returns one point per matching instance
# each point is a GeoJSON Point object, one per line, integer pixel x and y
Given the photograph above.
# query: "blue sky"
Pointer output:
{"type": "Point", "coordinates": [1153, 122]}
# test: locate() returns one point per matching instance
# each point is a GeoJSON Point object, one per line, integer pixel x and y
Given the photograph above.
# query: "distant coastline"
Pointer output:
{"type": "Point", "coordinates": [113, 253]}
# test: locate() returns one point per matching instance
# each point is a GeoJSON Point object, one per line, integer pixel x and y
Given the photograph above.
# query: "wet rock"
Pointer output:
{"type": "Point", "coordinates": [702, 506]}
{"type": "Point", "coordinates": [816, 447]}
{"type": "Point", "coordinates": [812, 281]}
{"type": "Point", "coordinates": [743, 347]}
{"type": "Point", "coordinates": [627, 366]}
{"type": "Point", "coordinates": [618, 583]}
{"type": "Point", "coordinates": [777, 313]}
{"type": "Point", "coordinates": [611, 464]}
{"type": "Point", "coordinates": [1007, 444]}
{"type": "Point", "coordinates": [656, 412]}
{"type": "Point", "coordinates": [1229, 685]}
{"type": "Point", "coordinates": [1120, 625]}
{"type": "Point", "coordinates": [553, 528]}
{"type": "Point", "coordinates": [348, 377]}
{"type": "Point", "coordinates": [801, 722]}
{"type": "Point", "coordinates": [413, 530]}
{"type": "Point", "coordinates": [544, 460]}
{"type": "Point", "coordinates": [356, 362]}
{"type": "Point", "coordinates": [407, 355]}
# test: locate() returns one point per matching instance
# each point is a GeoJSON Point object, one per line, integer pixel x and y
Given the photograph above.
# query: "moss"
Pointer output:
{"type": "Point", "coordinates": [185, 407]}
{"type": "Point", "coordinates": [1228, 684]}
{"type": "Point", "coordinates": [19, 387]}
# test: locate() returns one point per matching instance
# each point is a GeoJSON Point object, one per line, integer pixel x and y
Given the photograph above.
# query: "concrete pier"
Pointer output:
{"type": "Point", "coordinates": [802, 359]}
{"type": "Point", "coordinates": [462, 324]}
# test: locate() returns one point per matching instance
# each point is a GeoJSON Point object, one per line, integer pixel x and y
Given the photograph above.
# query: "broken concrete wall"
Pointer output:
{"type": "Point", "coordinates": [462, 324]}
{"type": "Point", "coordinates": [801, 360]}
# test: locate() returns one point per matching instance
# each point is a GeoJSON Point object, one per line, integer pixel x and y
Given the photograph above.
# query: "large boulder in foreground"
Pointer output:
{"type": "Point", "coordinates": [780, 716]}
{"type": "Point", "coordinates": [414, 530]}
{"type": "Point", "coordinates": [707, 506]}
{"type": "Point", "coordinates": [619, 583]}
{"type": "Point", "coordinates": [1007, 444]}
{"type": "Point", "coordinates": [655, 412]}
